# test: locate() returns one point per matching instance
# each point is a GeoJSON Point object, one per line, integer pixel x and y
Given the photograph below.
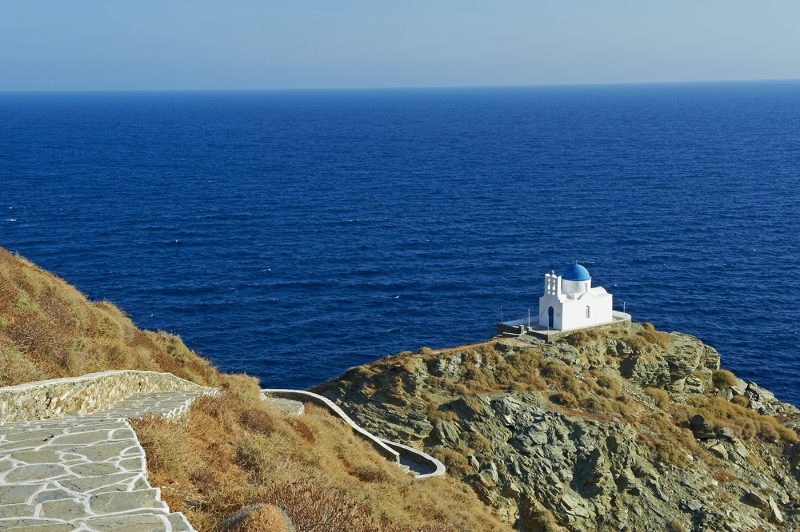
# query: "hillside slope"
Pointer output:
{"type": "Point", "coordinates": [229, 452]}
{"type": "Point", "coordinates": [623, 429]}
{"type": "Point", "coordinates": [49, 329]}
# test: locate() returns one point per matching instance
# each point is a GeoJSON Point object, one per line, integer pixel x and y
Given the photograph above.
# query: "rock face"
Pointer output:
{"type": "Point", "coordinates": [625, 428]}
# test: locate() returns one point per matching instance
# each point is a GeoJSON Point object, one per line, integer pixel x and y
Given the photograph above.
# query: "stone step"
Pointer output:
{"type": "Point", "coordinates": [36, 525]}
{"type": "Point", "coordinates": [85, 472]}
{"type": "Point", "coordinates": [110, 502]}
{"type": "Point", "coordinates": [288, 406]}
{"type": "Point", "coordinates": [129, 522]}
{"type": "Point", "coordinates": [135, 522]}
{"type": "Point", "coordinates": [81, 507]}
{"type": "Point", "coordinates": [179, 522]}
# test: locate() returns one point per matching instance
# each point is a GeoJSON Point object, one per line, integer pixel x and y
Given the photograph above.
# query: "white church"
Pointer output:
{"type": "Point", "coordinates": [570, 302]}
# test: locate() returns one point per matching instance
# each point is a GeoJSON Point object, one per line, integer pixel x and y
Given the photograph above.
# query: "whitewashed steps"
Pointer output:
{"type": "Point", "coordinates": [85, 473]}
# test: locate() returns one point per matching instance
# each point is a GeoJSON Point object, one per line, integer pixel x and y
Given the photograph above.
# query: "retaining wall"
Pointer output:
{"type": "Point", "coordinates": [302, 395]}
{"type": "Point", "coordinates": [389, 449]}
{"type": "Point", "coordinates": [83, 395]}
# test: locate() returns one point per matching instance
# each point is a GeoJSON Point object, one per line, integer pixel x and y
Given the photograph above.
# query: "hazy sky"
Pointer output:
{"type": "Point", "coordinates": [262, 44]}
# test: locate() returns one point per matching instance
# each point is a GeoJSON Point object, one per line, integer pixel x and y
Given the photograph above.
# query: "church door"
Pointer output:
{"type": "Point", "coordinates": [551, 317]}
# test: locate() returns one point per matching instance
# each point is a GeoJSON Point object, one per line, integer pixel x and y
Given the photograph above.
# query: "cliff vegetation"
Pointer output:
{"type": "Point", "coordinates": [627, 428]}
{"type": "Point", "coordinates": [228, 453]}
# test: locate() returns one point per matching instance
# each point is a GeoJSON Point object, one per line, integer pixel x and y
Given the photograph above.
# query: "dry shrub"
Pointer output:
{"type": "Point", "coordinates": [311, 507]}
{"type": "Point", "coordinates": [722, 476]}
{"type": "Point", "coordinates": [479, 443]}
{"type": "Point", "coordinates": [579, 338]}
{"type": "Point", "coordinates": [741, 400]}
{"type": "Point", "coordinates": [564, 399]}
{"type": "Point", "coordinates": [534, 516]}
{"type": "Point", "coordinates": [302, 429]}
{"type": "Point", "coordinates": [166, 453]}
{"type": "Point", "coordinates": [653, 337]}
{"type": "Point", "coordinates": [561, 376]}
{"type": "Point", "coordinates": [670, 443]}
{"type": "Point", "coordinates": [658, 395]}
{"type": "Point", "coordinates": [604, 385]}
{"type": "Point", "coordinates": [257, 420]}
{"type": "Point", "coordinates": [676, 526]}
{"type": "Point", "coordinates": [722, 379]}
{"type": "Point", "coordinates": [435, 412]}
{"type": "Point", "coordinates": [16, 367]}
{"type": "Point", "coordinates": [370, 473]}
{"type": "Point", "coordinates": [267, 518]}
{"type": "Point", "coordinates": [454, 460]}
{"type": "Point", "coordinates": [645, 339]}
{"type": "Point", "coordinates": [592, 404]}
{"type": "Point", "coordinates": [744, 422]}
{"type": "Point", "coordinates": [221, 464]}
{"type": "Point", "coordinates": [637, 343]}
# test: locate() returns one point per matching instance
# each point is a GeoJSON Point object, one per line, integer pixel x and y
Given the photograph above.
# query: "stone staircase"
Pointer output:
{"type": "Point", "coordinates": [86, 472]}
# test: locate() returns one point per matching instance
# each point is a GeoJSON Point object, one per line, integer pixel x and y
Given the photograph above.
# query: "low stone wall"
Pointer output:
{"type": "Point", "coordinates": [396, 452]}
{"type": "Point", "coordinates": [430, 465]}
{"type": "Point", "coordinates": [518, 328]}
{"type": "Point", "coordinates": [83, 395]}
{"type": "Point", "coordinates": [302, 395]}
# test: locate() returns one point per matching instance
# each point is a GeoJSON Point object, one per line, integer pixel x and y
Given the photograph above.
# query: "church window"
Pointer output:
{"type": "Point", "coordinates": [588, 312]}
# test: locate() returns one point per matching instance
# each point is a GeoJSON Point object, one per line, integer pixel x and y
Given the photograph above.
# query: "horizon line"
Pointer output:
{"type": "Point", "coordinates": [415, 87]}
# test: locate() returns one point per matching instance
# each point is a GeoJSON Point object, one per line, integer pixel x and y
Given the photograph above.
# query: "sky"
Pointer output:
{"type": "Point", "coordinates": [266, 44]}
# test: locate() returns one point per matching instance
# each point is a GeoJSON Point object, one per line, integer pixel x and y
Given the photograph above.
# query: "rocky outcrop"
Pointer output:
{"type": "Point", "coordinates": [631, 428]}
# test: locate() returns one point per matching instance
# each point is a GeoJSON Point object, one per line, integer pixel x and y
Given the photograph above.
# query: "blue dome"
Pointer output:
{"type": "Point", "coordinates": [576, 272]}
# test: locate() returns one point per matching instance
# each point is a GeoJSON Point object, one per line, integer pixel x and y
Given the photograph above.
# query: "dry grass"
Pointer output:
{"type": "Point", "coordinates": [267, 518]}
{"type": "Point", "coordinates": [658, 395]}
{"type": "Point", "coordinates": [645, 338]}
{"type": "Point", "coordinates": [676, 526]}
{"type": "Point", "coordinates": [228, 452]}
{"type": "Point", "coordinates": [600, 395]}
{"type": "Point", "coordinates": [235, 451]}
{"type": "Point", "coordinates": [744, 422]}
{"type": "Point", "coordinates": [487, 370]}
{"type": "Point", "coordinates": [741, 400]}
{"type": "Point", "coordinates": [670, 443]}
{"type": "Point", "coordinates": [455, 460]}
{"type": "Point", "coordinates": [581, 338]}
{"type": "Point", "coordinates": [722, 379]}
{"type": "Point", "coordinates": [48, 329]}
{"type": "Point", "coordinates": [564, 399]}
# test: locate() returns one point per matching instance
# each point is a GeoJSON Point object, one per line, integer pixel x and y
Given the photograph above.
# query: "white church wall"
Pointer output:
{"type": "Point", "coordinates": [575, 287]}
{"type": "Point", "coordinates": [569, 300]}
{"type": "Point", "coordinates": [604, 309]}
{"type": "Point", "coordinates": [545, 302]}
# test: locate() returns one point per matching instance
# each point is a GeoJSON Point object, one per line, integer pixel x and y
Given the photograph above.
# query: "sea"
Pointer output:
{"type": "Point", "coordinates": [294, 234]}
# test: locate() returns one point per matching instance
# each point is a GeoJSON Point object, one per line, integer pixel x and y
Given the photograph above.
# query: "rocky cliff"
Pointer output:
{"type": "Point", "coordinates": [620, 429]}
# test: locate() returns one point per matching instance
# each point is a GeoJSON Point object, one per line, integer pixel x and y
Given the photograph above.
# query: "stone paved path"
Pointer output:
{"type": "Point", "coordinates": [85, 473]}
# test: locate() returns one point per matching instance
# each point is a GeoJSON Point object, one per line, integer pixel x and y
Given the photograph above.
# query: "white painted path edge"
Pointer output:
{"type": "Point", "coordinates": [393, 451]}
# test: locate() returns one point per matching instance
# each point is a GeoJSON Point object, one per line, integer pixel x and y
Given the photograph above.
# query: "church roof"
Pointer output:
{"type": "Point", "coordinates": [576, 272]}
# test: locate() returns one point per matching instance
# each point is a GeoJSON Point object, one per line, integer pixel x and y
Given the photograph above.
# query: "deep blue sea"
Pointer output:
{"type": "Point", "coordinates": [295, 234]}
